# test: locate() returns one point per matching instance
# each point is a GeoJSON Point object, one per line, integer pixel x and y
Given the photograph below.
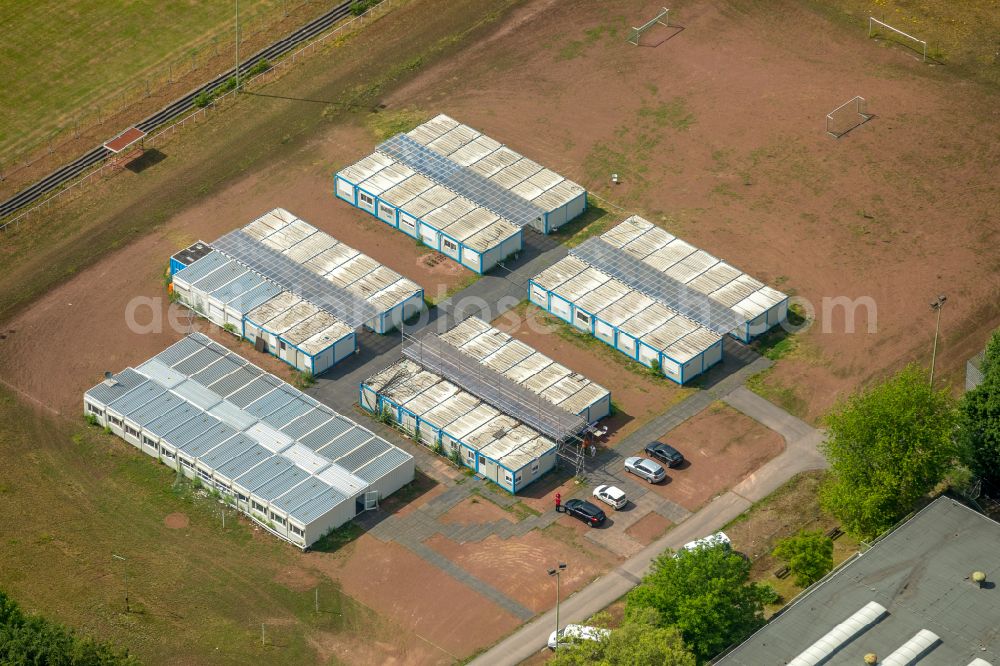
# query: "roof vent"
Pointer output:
{"type": "Point", "coordinates": [908, 652]}
{"type": "Point", "coordinates": [978, 577]}
{"type": "Point", "coordinates": [871, 658]}
{"type": "Point", "coordinates": [821, 650]}
{"type": "Point", "coordinates": [109, 379]}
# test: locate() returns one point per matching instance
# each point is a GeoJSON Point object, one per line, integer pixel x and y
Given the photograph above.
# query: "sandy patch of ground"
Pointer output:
{"type": "Point", "coordinates": [648, 528]}
{"type": "Point", "coordinates": [177, 521]}
{"type": "Point", "coordinates": [517, 566]}
{"type": "Point", "coordinates": [409, 591]}
{"type": "Point", "coordinates": [721, 446]}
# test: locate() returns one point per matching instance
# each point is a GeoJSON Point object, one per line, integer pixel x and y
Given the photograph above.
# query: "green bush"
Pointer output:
{"type": "Point", "coordinates": [230, 328]}
{"type": "Point", "coordinates": [91, 419]}
{"type": "Point", "coordinates": [31, 639]}
{"type": "Point", "coordinates": [203, 99]}
{"type": "Point", "coordinates": [259, 67]}
{"type": "Point", "coordinates": [359, 7]}
{"type": "Point", "coordinates": [809, 555]}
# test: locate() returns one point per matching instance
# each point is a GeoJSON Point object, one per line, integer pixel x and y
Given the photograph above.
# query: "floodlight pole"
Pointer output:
{"type": "Point", "coordinates": [237, 46]}
{"type": "Point", "coordinates": [557, 572]}
{"type": "Point", "coordinates": [125, 570]}
{"type": "Point", "coordinates": [937, 304]}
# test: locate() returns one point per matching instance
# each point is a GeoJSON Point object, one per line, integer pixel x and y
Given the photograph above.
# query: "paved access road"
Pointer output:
{"type": "Point", "coordinates": [800, 455]}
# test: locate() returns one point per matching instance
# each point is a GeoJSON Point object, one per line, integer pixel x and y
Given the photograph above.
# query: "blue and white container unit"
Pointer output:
{"type": "Point", "coordinates": [293, 465]}
{"type": "Point", "coordinates": [634, 324]}
{"type": "Point", "coordinates": [253, 305]}
{"type": "Point", "coordinates": [299, 333]}
{"type": "Point", "coordinates": [684, 341]}
{"type": "Point", "coordinates": [459, 192]}
{"type": "Point", "coordinates": [553, 382]}
{"type": "Point", "coordinates": [439, 413]}
{"type": "Point", "coordinates": [761, 307]}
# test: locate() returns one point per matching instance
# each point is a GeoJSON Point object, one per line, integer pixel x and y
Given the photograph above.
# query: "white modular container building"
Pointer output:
{"type": "Point", "coordinates": [440, 414]}
{"type": "Point", "coordinates": [656, 298]}
{"type": "Point", "coordinates": [459, 192]}
{"type": "Point", "coordinates": [299, 333]}
{"type": "Point", "coordinates": [293, 465]}
{"type": "Point", "coordinates": [553, 382]}
{"type": "Point", "coordinates": [757, 306]}
{"type": "Point", "coordinates": [328, 288]}
{"type": "Point", "coordinates": [638, 326]}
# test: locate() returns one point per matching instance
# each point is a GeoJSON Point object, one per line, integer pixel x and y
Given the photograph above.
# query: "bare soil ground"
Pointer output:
{"type": "Point", "coordinates": [398, 585]}
{"type": "Point", "coordinates": [649, 528]}
{"type": "Point", "coordinates": [517, 566]}
{"type": "Point", "coordinates": [717, 134]}
{"type": "Point", "coordinates": [721, 446]}
{"type": "Point", "coordinates": [176, 521]}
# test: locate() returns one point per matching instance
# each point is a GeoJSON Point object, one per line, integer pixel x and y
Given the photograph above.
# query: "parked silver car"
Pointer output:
{"type": "Point", "coordinates": [645, 468]}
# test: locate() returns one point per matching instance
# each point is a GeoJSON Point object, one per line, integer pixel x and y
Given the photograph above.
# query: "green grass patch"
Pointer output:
{"type": "Point", "coordinates": [575, 48]}
{"type": "Point", "coordinates": [386, 124]}
{"type": "Point", "coordinates": [465, 282]}
{"type": "Point", "coordinates": [337, 538]}
{"type": "Point", "coordinates": [784, 396]}
{"type": "Point", "coordinates": [53, 85]}
{"type": "Point", "coordinates": [594, 222]}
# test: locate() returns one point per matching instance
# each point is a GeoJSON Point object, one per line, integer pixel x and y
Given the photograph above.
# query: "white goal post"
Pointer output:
{"type": "Point", "coordinates": [872, 31]}
{"type": "Point", "coordinates": [862, 116]}
{"type": "Point", "coordinates": [635, 34]}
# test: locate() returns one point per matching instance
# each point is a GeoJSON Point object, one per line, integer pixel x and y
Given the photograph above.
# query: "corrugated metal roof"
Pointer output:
{"type": "Point", "coordinates": [306, 491]}
{"type": "Point", "coordinates": [201, 267]}
{"type": "Point", "coordinates": [119, 385]}
{"type": "Point", "coordinates": [261, 456]}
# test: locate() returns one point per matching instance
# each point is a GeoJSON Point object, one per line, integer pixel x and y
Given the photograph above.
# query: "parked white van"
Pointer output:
{"type": "Point", "coordinates": [578, 632]}
{"type": "Point", "coordinates": [717, 539]}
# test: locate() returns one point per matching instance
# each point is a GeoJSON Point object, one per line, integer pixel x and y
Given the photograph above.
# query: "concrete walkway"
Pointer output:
{"type": "Point", "coordinates": [800, 455]}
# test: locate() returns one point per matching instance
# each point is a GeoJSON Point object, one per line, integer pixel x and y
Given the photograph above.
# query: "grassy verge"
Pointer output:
{"type": "Point", "coordinates": [764, 385]}
{"type": "Point", "coordinates": [594, 222]}
{"type": "Point", "coordinates": [786, 511]}
{"type": "Point", "coordinates": [73, 495]}
{"type": "Point", "coordinates": [464, 283]}
{"type": "Point", "coordinates": [350, 74]}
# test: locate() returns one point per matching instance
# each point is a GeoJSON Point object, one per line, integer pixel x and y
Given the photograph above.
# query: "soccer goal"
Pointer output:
{"type": "Point", "coordinates": [875, 27]}
{"type": "Point", "coordinates": [847, 116]}
{"type": "Point", "coordinates": [663, 18]}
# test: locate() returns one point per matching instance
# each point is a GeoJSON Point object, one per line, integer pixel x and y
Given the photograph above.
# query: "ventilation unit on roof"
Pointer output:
{"type": "Point", "coordinates": [109, 379]}
{"type": "Point", "coordinates": [908, 652]}
{"type": "Point", "coordinates": [979, 578]}
{"type": "Point", "coordinates": [819, 651]}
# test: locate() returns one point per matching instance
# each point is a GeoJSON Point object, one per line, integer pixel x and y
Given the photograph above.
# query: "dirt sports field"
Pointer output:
{"type": "Point", "coordinates": [716, 129]}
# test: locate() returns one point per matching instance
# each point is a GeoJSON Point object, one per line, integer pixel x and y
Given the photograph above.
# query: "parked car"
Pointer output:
{"type": "Point", "coordinates": [712, 540]}
{"type": "Point", "coordinates": [611, 495]}
{"type": "Point", "coordinates": [585, 511]}
{"type": "Point", "coordinates": [665, 453]}
{"type": "Point", "coordinates": [577, 632]}
{"type": "Point", "coordinates": [645, 468]}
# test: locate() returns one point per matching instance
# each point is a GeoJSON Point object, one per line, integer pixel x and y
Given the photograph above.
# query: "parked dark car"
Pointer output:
{"type": "Point", "coordinates": [585, 511]}
{"type": "Point", "coordinates": [664, 453]}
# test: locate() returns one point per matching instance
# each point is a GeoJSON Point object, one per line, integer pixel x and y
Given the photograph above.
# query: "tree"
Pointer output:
{"type": "Point", "coordinates": [809, 555]}
{"type": "Point", "coordinates": [979, 420]}
{"type": "Point", "coordinates": [29, 639]}
{"type": "Point", "coordinates": [887, 446]}
{"type": "Point", "coordinates": [705, 594]}
{"type": "Point", "coordinates": [640, 641]}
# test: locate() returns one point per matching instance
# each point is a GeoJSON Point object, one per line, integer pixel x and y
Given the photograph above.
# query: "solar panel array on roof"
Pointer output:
{"type": "Point", "coordinates": [462, 180]}
{"type": "Point", "coordinates": [275, 266]}
{"type": "Point", "coordinates": [432, 352]}
{"type": "Point", "coordinates": [242, 425]}
{"type": "Point", "coordinates": [645, 279]}
{"type": "Point", "coordinates": [529, 368]}
{"type": "Point", "coordinates": [747, 297]}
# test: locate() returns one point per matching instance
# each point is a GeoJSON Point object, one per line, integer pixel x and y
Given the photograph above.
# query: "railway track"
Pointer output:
{"type": "Point", "coordinates": [178, 107]}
